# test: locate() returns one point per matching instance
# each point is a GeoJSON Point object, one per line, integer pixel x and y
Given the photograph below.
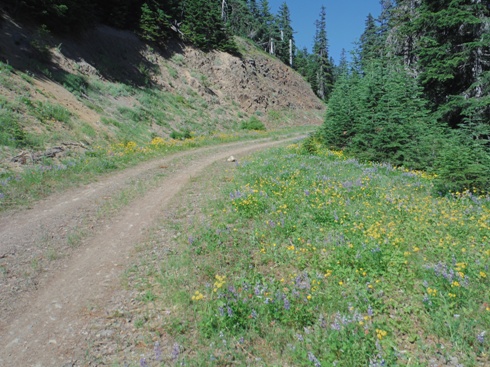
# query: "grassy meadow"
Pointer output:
{"type": "Point", "coordinates": [314, 259]}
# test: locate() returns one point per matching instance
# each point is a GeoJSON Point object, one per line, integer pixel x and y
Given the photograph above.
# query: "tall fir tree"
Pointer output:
{"type": "Point", "coordinates": [324, 73]}
{"type": "Point", "coordinates": [369, 47]}
{"type": "Point", "coordinates": [203, 26]}
{"type": "Point", "coordinates": [285, 47]}
{"type": "Point", "coordinates": [448, 43]}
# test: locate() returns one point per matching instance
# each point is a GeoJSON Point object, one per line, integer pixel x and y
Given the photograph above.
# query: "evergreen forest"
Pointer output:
{"type": "Point", "coordinates": [417, 93]}
{"type": "Point", "coordinates": [414, 93]}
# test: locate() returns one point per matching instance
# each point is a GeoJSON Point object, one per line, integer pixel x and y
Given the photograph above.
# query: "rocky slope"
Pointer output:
{"type": "Point", "coordinates": [107, 85]}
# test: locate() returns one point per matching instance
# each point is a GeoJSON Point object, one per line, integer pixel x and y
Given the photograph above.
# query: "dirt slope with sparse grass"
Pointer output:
{"type": "Point", "coordinates": [107, 86]}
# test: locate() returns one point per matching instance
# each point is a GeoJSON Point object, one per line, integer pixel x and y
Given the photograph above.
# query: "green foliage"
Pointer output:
{"type": "Point", "coordinates": [463, 163]}
{"type": "Point", "coordinates": [181, 135]}
{"type": "Point", "coordinates": [203, 27]}
{"type": "Point", "coordinates": [284, 240]}
{"type": "Point", "coordinates": [381, 117]}
{"type": "Point", "coordinates": [323, 69]}
{"type": "Point", "coordinates": [154, 23]}
{"type": "Point", "coordinates": [47, 111]}
{"type": "Point", "coordinates": [11, 133]}
{"type": "Point", "coordinates": [253, 123]}
{"type": "Point", "coordinates": [76, 84]}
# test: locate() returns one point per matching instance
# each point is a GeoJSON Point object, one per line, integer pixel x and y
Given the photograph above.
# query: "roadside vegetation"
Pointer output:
{"type": "Point", "coordinates": [311, 258]}
{"type": "Point", "coordinates": [53, 175]}
{"type": "Point", "coordinates": [136, 124]}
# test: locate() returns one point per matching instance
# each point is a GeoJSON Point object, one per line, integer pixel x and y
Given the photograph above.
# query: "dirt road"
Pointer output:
{"type": "Point", "coordinates": [67, 253]}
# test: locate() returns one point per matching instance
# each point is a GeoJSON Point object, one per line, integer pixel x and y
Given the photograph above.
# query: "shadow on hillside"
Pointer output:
{"type": "Point", "coordinates": [115, 55]}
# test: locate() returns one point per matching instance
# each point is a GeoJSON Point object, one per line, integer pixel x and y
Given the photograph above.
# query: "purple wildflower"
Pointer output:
{"type": "Point", "coordinates": [229, 311]}
{"type": "Point", "coordinates": [300, 337]}
{"type": "Point", "coordinates": [175, 352]}
{"type": "Point", "coordinates": [158, 352]}
{"type": "Point", "coordinates": [254, 314]}
{"type": "Point", "coordinates": [2, 196]}
{"type": "Point", "coordinates": [302, 281]}
{"type": "Point", "coordinates": [323, 322]}
{"type": "Point", "coordinates": [481, 337]}
{"type": "Point", "coordinates": [312, 358]}
{"type": "Point", "coordinates": [287, 305]}
{"type": "Point", "coordinates": [143, 362]}
{"type": "Point", "coordinates": [370, 311]}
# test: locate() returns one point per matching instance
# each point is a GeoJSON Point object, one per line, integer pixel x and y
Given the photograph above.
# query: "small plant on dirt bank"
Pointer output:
{"type": "Point", "coordinates": [253, 124]}
{"type": "Point", "coordinates": [181, 135]}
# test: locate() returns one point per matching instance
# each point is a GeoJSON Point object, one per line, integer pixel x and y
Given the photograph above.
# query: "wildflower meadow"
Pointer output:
{"type": "Point", "coordinates": [319, 260]}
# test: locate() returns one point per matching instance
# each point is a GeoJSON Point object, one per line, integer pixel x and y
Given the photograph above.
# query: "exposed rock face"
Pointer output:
{"type": "Point", "coordinates": [258, 82]}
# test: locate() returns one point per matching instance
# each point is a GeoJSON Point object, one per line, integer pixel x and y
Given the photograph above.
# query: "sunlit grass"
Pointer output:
{"type": "Point", "coordinates": [48, 176]}
{"type": "Point", "coordinates": [316, 259]}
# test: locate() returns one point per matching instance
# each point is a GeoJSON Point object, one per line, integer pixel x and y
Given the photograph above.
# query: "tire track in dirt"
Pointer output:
{"type": "Point", "coordinates": [44, 326]}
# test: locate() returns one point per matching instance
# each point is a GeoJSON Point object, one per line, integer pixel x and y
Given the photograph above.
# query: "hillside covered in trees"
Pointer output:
{"type": "Point", "coordinates": [417, 92]}
{"type": "Point", "coordinates": [209, 25]}
{"type": "Point", "coordinates": [414, 93]}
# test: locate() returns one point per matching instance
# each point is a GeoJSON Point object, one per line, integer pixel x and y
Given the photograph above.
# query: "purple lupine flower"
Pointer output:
{"type": "Point", "coordinates": [287, 305]}
{"type": "Point", "coordinates": [175, 352]}
{"type": "Point", "coordinates": [307, 192]}
{"type": "Point", "coordinates": [370, 311]}
{"type": "Point", "coordinates": [158, 352]}
{"type": "Point", "coordinates": [143, 362]}
{"type": "Point", "coordinates": [229, 311]}
{"type": "Point", "coordinates": [481, 337]}
{"type": "Point", "coordinates": [232, 290]}
{"type": "Point", "coordinates": [323, 322]}
{"type": "Point", "coordinates": [312, 358]}
{"type": "Point", "coordinates": [302, 281]}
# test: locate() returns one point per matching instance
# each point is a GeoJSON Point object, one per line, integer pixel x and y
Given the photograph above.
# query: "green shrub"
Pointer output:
{"type": "Point", "coordinates": [11, 133]}
{"type": "Point", "coordinates": [76, 84]}
{"type": "Point", "coordinates": [181, 135]}
{"type": "Point", "coordinates": [253, 124]}
{"type": "Point", "coordinates": [463, 163]}
{"type": "Point", "coordinates": [46, 111]}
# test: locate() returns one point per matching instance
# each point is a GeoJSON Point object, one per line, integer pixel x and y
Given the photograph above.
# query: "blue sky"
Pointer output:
{"type": "Point", "coordinates": [345, 21]}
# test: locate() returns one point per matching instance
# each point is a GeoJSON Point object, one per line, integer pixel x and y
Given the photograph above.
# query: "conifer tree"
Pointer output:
{"type": "Point", "coordinates": [324, 77]}
{"type": "Point", "coordinates": [240, 19]}
{"type": "Point", "coordinates": [287, 38]}
{"type": "Point", "coordinates": [154, 23]}
{"type": "Point", "coordinates": [452, 53]}
{"type": "Point", "coordinates": [370, 44]}
{"type": "Point", "coordinates": [203, 26]}
{"type": "Point", "coordinates": [268, 33]}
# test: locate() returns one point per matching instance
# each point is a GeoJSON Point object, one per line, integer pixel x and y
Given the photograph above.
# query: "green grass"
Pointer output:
{"type": "Point", "coordinates": [318, 260]}
{"type": "Point", "coordinates": [38, 181]}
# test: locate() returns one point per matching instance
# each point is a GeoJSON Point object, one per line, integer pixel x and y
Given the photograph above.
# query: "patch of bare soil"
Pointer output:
{"type": "Point", "coordinates": [45, 314]}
